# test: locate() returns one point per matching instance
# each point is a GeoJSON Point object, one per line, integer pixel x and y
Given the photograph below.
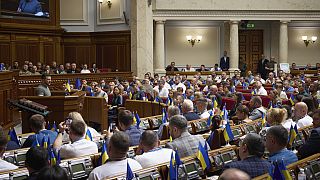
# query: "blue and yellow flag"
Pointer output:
{"type": "Point", "coordinates": [284, 171]}
{"type": "Point", "coordinates": [53, 160]}
{"type": "Point", "coordinates": [210, 139]}
{"type": "Point", "coordinates": [134, 118]}
{"type": "Point", "coordinates": [270, 105]}
{"type": "Point", "coordinates": [280, 172]}
{"type": "Point", "coordinates": [48, 125]}
{"type": "Point", "coordinates": [209, 121]}
{"type": "Point", "coordinates": [54, 127]}
{"type": "Point", "coordinates": [129, 175]}
{"type": "Point", "coordinates": [130, 95]}
{"type": "Point", "coordinates": [88, 135]}
{"type": "Point", "coordinates": [104, 156]}
{"type": "Point", "coordinates": [215, 102]}
{"type": "Point", "coordinates": [78, 83]}
{"type": "Point", "coordinates": [45, 142]}
{"type": "Point", "coordinates": [203, 157]}
{"type": "Point", "coordinates": [292, 134]}
{"type": "Point", "coordinates": [68, 86]}
{"type": "Point", "coordinates": [172, 173]}
{"type": "Point", "coordinates": [35, 142]}
{"type": "Point", "coordinates": [227, 133]}
{"type": "Point", "coordinates": [253, 92]}
{"type": "Point", "coordinates": [164, 115]}
{"type": "Point", "coordinates": [291, 99]}
{"type": "Point", "coordinates": [12, 136]}
{"type": "Point", "coordinates": [263, 121]}
{"type": "Point", "coordinates": [224, 113]}
{"type": "Point", "coordinates": [169, 101]}
{"type": "Point", "coordinates": [138, 120]}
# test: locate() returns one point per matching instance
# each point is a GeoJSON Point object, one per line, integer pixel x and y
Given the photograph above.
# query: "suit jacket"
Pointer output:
{"type": "Point", "coordinates": [224, 64]}
{"type": "Point", "coordinates": [311, 147]}
{"type": "Point", "coordinates": [253, 166]}
{"type": "Point", "coordinates": [191, 116]}
{"type": "Point", "coordinates": [261, 68]}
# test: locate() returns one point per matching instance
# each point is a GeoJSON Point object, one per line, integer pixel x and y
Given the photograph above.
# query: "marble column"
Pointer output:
{"type": "Point", "coordinates": [234, 46]}
{"type": "Point", "coordinates": [159, 60]}
{"type": "Point", "coordinates": [283, 42]}
{"type": "Point", "coordinates": [141, 24]}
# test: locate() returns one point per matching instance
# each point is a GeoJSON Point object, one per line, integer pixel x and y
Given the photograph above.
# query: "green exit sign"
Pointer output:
{"type": "Point", "coordinates": [250, 25]}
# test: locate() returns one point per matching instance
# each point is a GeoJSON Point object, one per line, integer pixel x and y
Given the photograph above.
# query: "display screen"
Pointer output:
{"type": "Point", "coordinates": [235, 132]}
{"type": "Point", "coordinates": [146, 178]}
{"type": "Point", "coordinates": [250, 128]}
{"type": "Point", "coordinates": [315, 168]}
{"type": "Point", "coordinates": [21, 157]}
{"type": "Point", "coordinates": [226, 157]}
{"type": "Point", "coordinates": [77, 168]}
{"type": "Point", "coordinates": [20, 177]}
{"type": "Point", "coordinates": [25, 9]}
{"type": "Point", "coordinates": [191, 167]}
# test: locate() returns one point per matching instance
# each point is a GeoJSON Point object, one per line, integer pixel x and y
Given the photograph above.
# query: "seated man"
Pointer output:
{"type": "Point", "coordinates": [118, 147]}
{"type": "Point", "coordinates": [257, 110]}
{"type": "Point", "coordinates": [37, 125]}
{"type": "Point", "coordinates": [300, 115]}
{"type": "Point", "coordinates": [185, 143]}
{"type": "Point", "coordinates": [234, 174]}
{"type": "Point", "coordinates": [172, 110]}
{"type": "Point", "coordinates": [79, 145]}
{"type": "Point", "coordinates": [260, 89]}
{"type": "Point", "coordinates": [202, 105]}
{"type": "Point", "coordinates": [251, 152]}
{"type": "Point", "coordinates": [276, 142]}
{"type": "Point", "coordinates": [4, 165]}
{"type": "Point", "coordinates": [36, 159]}
{"type": "Point", "coordinates": [311, 146]}
{"type": "Point", "coordinates": [126, 125]}
{"type": "Point", "coordinates": [187, 110]}
{"type": "Point", "coordinates": [153, 154]}
{"type": "Point", "coordinates": [98, 92]}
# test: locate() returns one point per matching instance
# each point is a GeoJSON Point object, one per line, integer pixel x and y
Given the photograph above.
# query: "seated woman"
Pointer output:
{"type": "Point", "coordinates": [242, 114]}
{"type": "Point", "coordinates": [238, 96]}
{"type": "Point", "coordinates": [274, 117]}
{"type": "Point", "coordinates": [275, 98]}
{"type": "Point", "coordinates": [216, 123]}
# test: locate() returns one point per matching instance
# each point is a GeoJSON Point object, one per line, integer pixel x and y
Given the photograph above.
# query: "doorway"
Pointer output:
{"type": "Point", "coordinates": [251, 48]}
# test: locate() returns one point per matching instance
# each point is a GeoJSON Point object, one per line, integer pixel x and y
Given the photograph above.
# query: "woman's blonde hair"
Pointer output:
{"type": "Point", "coordinates": [276, 116]}
{"type": "Point", "coordinates": [75, 116]}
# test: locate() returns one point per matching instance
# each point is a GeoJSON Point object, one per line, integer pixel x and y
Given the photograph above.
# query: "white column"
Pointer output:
{"type": "Point", "coordinates": [159, 60]}
{"type": "Point", "coordinates": [283, 42]}
{"type": "Point", "coordinates": [234, 46]}
{"type": "Point", "coordinates": [141, 23]}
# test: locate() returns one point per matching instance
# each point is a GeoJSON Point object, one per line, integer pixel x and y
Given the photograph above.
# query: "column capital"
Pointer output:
{"type": "Point", "coordinates": [284, 21]}
{"type": "Point", "coordinates": [234, 21]}
{"type": "Point", "coordinates": [160, 21]}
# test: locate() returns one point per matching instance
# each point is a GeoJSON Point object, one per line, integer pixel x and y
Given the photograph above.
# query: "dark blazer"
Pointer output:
{"type": "Point", "coordinates": [261, 68]}
{"type": "Point", "coordinates": [311, 147]}
{"type": "Point", "coordinates": [224, 64]}
{"type": "Point", "coordinates": [191, 116]}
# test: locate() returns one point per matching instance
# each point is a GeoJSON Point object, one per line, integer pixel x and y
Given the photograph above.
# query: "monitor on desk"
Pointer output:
{"type": "Point", "coordinates": [25, 9]}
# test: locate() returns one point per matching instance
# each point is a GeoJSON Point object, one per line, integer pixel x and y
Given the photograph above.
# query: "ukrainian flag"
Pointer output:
{"type": "Point", "coordinates": [48, 125]}
{"type": "Point", "coordinates": [129, 175]}
{"type": "Point", "coordinates": [36, 142]}
{"type": "Point", "coordinates": [280, 172]}
{"type": "Point", "coordinates": [104, 156]}
{"type": "Point", "coordinates": [291, 99]}
{"type": "Point", "coordinates": [293, 134]}
{"type": "Point", "coordinates": [227, 133]}
{"type": "Point", "coordinates": [137, 120]}
{"type": "Point", "coordinates": [169, 101]}
{"type": "Point", "coordinates": [203, 157]}
{"type": "Point", "coordinates": [53, 160]}
{"type": "Point", "coordinates": [253, 92]}
{"type": "Point", "coordinates": [170, 138]}
{"type": "Point", "coordinates": [88, 135]}
{"type": "Point", "coordinates": [263, 122]}
{"type": "Point", "coordinates": [12, 136]}
{"type": "Point", "coordinates": [210, 139]}
{"type": "Point", "coordinates": [215, 102]}
{"type": "Point", "coordinates": [209, 121]}
{"type": "Point", "coordinates": [130, 95]}
{"type": "Point", "coordinates": [172, 173]}
{"type": "Point", "coordinates": [58, 158]}
{"type": "Point", "coordinates": [270, 105]}
{"type": "Point", "coordinates": [164, 115]}
{"type": "Point", "coordinates": [45, 142]}
{"type": "Point", "coordinates": [54, 127]}
{"type": "Point", "coordinates": [68, 86]}
{"type": "Point", "coordinates": [78, 83]}
{"type": "Point", "coordinates": [134, 118]}
{"type": "Point", "coordinates": [285, 173]}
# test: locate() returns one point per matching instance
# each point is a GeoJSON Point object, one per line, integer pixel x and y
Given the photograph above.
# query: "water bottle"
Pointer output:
{"type": "Point", "coordinates": [302, 175]}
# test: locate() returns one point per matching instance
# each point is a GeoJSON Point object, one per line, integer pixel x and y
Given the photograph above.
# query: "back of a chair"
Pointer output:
{"type": "Point", "coordinates": [230, 102]}
{"type": "Point", "coordinates": [165, 133]}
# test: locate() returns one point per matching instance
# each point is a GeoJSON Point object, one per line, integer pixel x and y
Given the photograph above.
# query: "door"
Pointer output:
{"type": "Point", "coordinates": [251, 48]}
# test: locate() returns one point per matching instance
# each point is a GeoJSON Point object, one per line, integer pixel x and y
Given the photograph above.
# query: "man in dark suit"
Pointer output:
{"type": "Point", "coordinates": [311, 147]}
{"type": "Point", "coordinates": [225, 62]}
{"type": "Point", "coordinates": [262, 66]}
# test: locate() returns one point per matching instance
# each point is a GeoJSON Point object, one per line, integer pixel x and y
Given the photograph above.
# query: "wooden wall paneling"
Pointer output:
{"type": "Point", "coordinates": [5, 56]}
{"type": "Point", "coordinates": [49, 53]}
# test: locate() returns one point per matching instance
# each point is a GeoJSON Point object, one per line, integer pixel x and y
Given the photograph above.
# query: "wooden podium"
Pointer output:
{"type": "Point", "coordinates": [60, 107]}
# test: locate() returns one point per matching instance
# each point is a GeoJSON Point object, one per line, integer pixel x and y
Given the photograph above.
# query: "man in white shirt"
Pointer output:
{"type": "Point", "coordinates": [260, 89]}
{"type": "Point", "coordinates": [4, 165]}
{"type": "Point", "coordinates": [118, 147]}
{"type": "Point", "coordinates": [188, 68]}
{"type": "Point", "coordinates": [177, 83]}
{"type": "Point", "coordinates": [163, 91]}
{"type": "Point", "coordinates": [85, 69]}
{"type": "Point", "coordinates": [202, 105]}
{"type": "Point", "coordinates": [300, 115]}
{"type": "Point", "coordinates": [153, 154]}
{"type": "Point", "coordinates": [79, 145]}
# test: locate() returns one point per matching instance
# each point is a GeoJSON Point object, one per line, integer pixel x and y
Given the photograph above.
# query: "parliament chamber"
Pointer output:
{"type": "Point", "coordinates": [159, 89]}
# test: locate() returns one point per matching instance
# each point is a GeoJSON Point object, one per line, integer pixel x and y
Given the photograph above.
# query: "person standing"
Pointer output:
{"type": "Point", "coordinates": [225, 61]}
{"type": "Point", "coordinates": [262, 66]}
{"type": "Point", "coordinates": [43, 88]}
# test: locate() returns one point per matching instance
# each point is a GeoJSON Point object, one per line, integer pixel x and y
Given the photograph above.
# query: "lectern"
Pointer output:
{"type": "Point", "coordinates": [60, 107]}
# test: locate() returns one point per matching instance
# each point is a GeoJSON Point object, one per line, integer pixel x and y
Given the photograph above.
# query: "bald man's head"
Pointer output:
{"type": "Point", "coordinates": [234, 174]}
{"type": "Point", "coordinates": [300, 110]}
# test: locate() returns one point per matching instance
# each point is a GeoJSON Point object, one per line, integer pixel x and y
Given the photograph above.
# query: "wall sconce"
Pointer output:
{"type": "Point", "coordinates": [193, 40]}
{"type": "Point", "coordinates": [108, 2]}
{"type": "Point", "coordinates": [307, 41]}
